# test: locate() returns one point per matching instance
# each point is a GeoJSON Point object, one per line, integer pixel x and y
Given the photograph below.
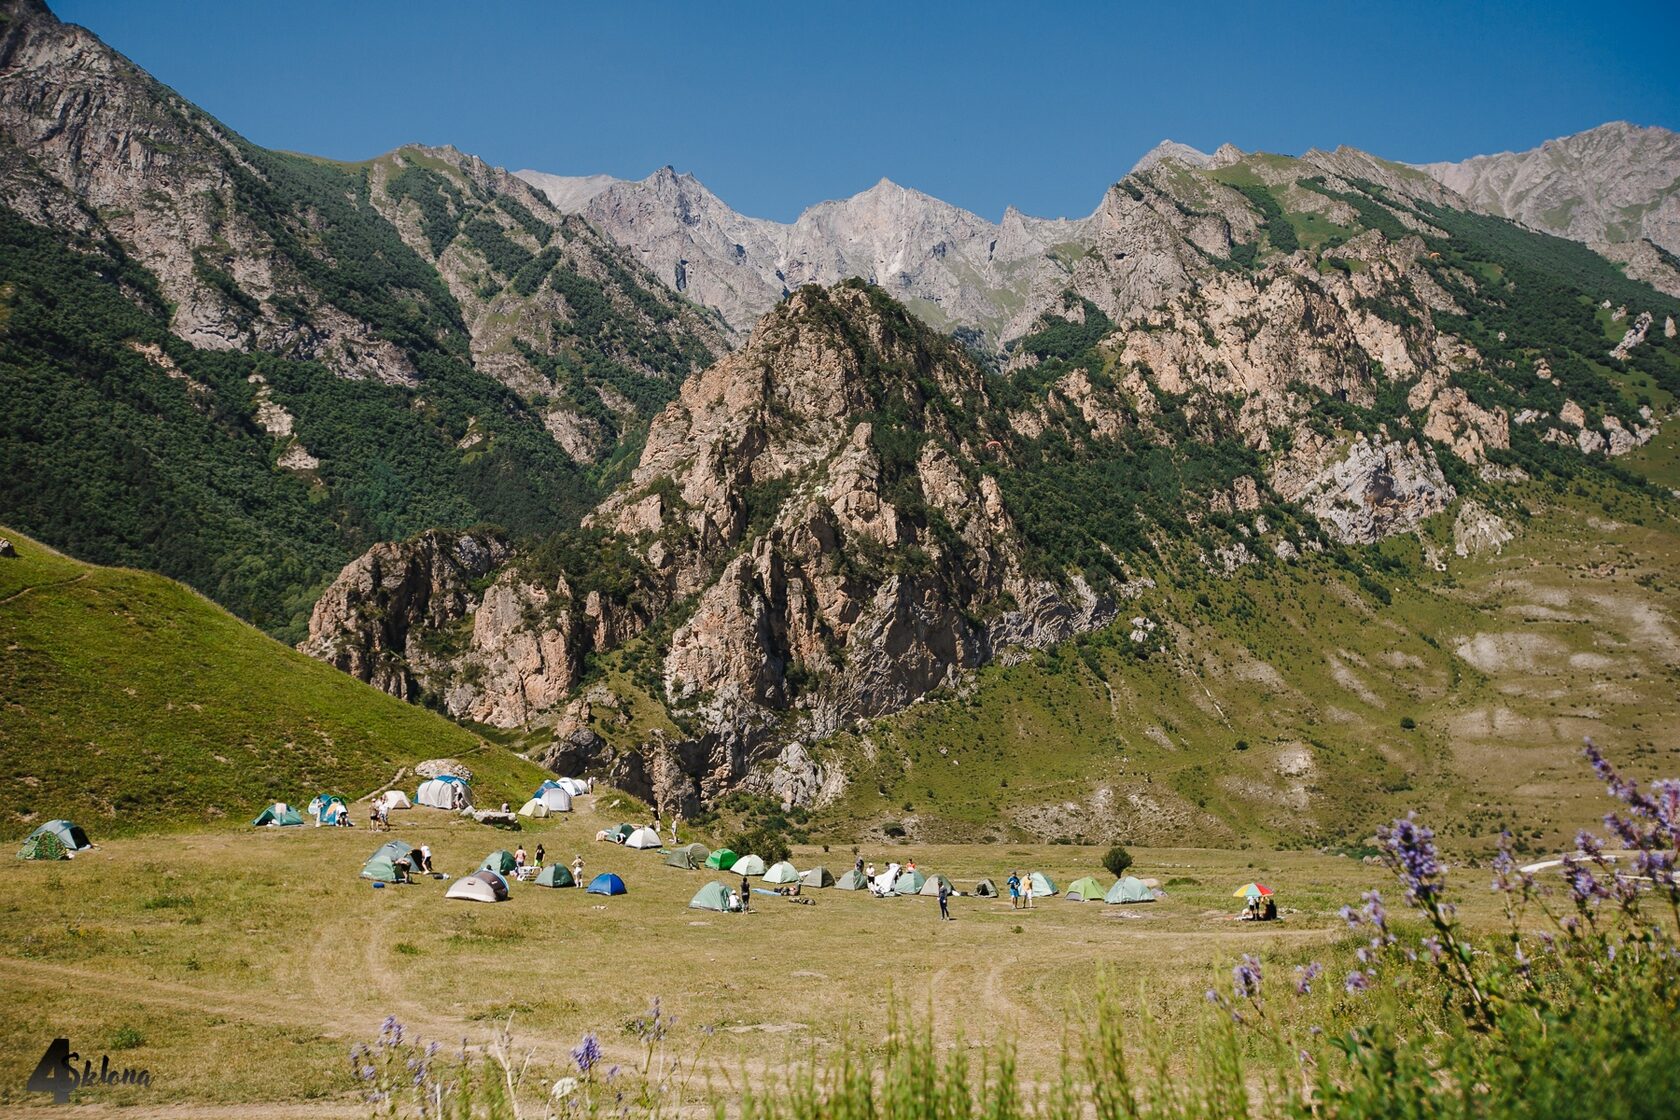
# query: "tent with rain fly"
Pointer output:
{"type": "Point", "coordinates": [782, 872]}
{"type": "Point", "coordinates": [1043, 886]}
{"type": "Point", "coordinates": [571, 785]}
{"type": "Point", "coordinates": [278, 815]}
{"type": "Point", "coordinates": [326, 808]}
{"type": "Point", "coordinates": [555, 875]}
{"type": "Point", "coordinates": [852, 880]}
{"type": "Point", "coordinates": [985, 888]}
{"type": "Point", "coordinates": [395, 799]}
{"type": "Point", "coordinates": [480, 886]}
{"type": "Point", "coordinates": [606, 883]}
{"type": "Point", "coordinates": [500, 861]}
{"type": "Point", "coordinates": [689, 857]}
{"type": "Point", "coordinates": [622, 832]}
{"type": "Point", "coordinates": [57, 839]}
{"type": "Point", "coordinates": [909, 882]}
{"type": "Point", "coordinates": [721, 860]}
{"type": "Point", "coordinates": [1085, 890]}
{"type": "Point", "coordinates": [391, 863]}
{"type": "Point", "coordinates": [555, 798]}
{"type": "Point", "coordinates": [1129, 889]}
{"type": "Point", "coordinates": [931, 886]}
{"type": "Point", "coordinates": [816, 877]}
{"type": "Point", "coordinates": [748, 865]}
{"type": "Point", "coordinates": [534, 809]}
{"type": "Point", "coordinates": [642, 839]}
{"type": "Point", "coordinates": [445, 791]}
{"type": "Point", "coordinates": [712, 896]}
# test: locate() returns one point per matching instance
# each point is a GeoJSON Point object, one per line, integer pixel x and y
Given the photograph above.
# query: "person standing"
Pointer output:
{"type": "Point", "coordinates": [577, 871]}
{"type": "Point", "coordinates": [746, 894]}
{"type": "Point", "coordinates": [539, 857]}
{"type": "Point", "coordinates": [1027, 891]}
{"type": "Point", "coordinates": [869, 876]}
{"type": "Point", "coordinates": [1014, 885]}
{"type": "Point", "coordinates": [944, 901]}
{"type": "Point", "coordinates": [676, 819]}
{"type": "Point", "coordinates": [519, 859]}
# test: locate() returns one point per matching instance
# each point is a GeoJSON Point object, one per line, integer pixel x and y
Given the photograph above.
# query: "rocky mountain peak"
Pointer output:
{"type": "Point", "coordinates": [1172, 150]}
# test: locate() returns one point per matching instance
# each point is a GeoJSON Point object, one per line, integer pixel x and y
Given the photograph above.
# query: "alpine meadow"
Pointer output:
{"type": "Point", "coordinates": [1214, 655]}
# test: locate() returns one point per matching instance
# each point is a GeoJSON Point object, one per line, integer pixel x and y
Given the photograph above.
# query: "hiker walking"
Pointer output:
{"type": "Point", "coordinates": [1014, 884]}
{"type": "Point", "coordinates": [1026, 891]}
{"type": "Point", "coordinates": [519, 859]}
{"type": "Point", "coordinates": [944, 901]}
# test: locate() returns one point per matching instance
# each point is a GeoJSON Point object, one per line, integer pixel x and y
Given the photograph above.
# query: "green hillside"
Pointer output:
{"type": "Point", "coordinates": [130, 703]}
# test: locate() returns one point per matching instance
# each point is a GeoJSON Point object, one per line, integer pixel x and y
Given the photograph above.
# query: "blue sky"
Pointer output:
{"type": "Point", "coordinates": [776, 106]}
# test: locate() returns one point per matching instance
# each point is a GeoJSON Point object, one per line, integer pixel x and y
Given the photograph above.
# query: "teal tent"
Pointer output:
{"type": "Point", "coordinates": [69, 835]}
{"type": "Point", "coordinates": [278, 815]}
{"type": "Point", "coordinates": [391, 863]}
{"type": "Point", "coordinates": [555, 875]}
{"type": "Point", "coordinates": [689, 857]}
{"type": "Point", "coordinates": [1129, 889]}
{"type": "Point", "coordinates": [782, 872]}
{"type": "Point", "coordinates": [500, 861]}
{"type": "Point", "coordinates": [909, 882]}
{"type": "Point", "coordinates": [852, 880]}
{"type": "Point", "coordinates": [1042, 885]}
{"type": "Point", "coordinates": [712, 896]}
{"type": "Point", "coordinates": [748, 865]}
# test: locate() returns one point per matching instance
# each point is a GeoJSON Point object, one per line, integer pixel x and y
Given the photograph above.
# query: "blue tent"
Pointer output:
{"type": "Point", "coordinates": [606, 883]}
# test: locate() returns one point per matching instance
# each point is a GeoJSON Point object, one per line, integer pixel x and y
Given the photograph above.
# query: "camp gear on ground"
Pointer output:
{"type": "Point", "coordinates": [721, 860]}
{"type": "Point", "coordinates": [817, 877]}
{"type": "Point", "coordinates": [1085, 890]}
{"type": "Point", "coordinates": [278, 815]}
{"type": "Point", "coordinates": [1129, 889]}
{"type": "Point", "coordinates": [606, 883]}
{"type": "Point", "coordinates": [748, 865]}
{"type": "Point", "coordinates": [690, 857]}
{"type": "Point", "coordinates": [782, 872]}
{"type": "Point", "coordinates": [480, 886]}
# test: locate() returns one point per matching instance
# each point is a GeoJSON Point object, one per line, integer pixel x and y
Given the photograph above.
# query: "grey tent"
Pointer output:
{"type": "Point", "coordinates": [690, 857]}
{"type": "Point", "coordinates": [1129, 889]}
{"type": "Point", "coordinates": [712, 896]}
{"type": "Point", "coordinates": [817, 877]}
{"type": "Point", "coordinates": [852, 880]}
{"type": "Point", "coordinates": [985, 888]}
{"type": "Point", "coordinates": [555, 875]}
{"type": "Point", "coordinates": [748, 865]}
{"type": "Point", "coordinates": [783, 872]}
{"type": "Point", "coordinates": [391, 863]}
{"type": "Point", "coordinates": [481, 886]}
{"type": "Point", "coordinates": [909, 882]}
{"type": "Point", "coordinates": [931, 887]}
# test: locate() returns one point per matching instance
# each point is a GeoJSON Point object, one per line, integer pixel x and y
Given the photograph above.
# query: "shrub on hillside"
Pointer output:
{"type": "Point", "coordinates": [1117, 860]}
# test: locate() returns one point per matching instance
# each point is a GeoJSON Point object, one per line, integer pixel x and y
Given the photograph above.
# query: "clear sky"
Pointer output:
{"type": "Point", "coordinates": [779, 105]}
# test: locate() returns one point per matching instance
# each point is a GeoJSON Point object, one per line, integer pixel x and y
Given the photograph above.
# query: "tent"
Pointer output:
{"type": "Point", "coordinates": [444, 792]}
{"type": "Point", "coordinates": [1042, 884]}
{"type": "Point", "coordinates": [1085, 890]}
{"type": "Point", "coordinates": [326, 808]}
{"type": "Point", "coordinates": [782, 872]}
{"type": "Point", "coordinates": [721, 860]}
{"type": "Point", "coordinates": [555, 875]}
{"type": "Point", "coordinates": [573, 786]}
{"type": "Point", "coordinates": [909, 882]}
{"type": "Point", "coordinates": [748, 865]}
{"type": "Point", "coordinates": [480, 886]}
{"type": "Point", "coordinates": [533, 808]}
{"type": "Point", "coordinates": [606, 883]}
{"type": "Point", "coordinates": [54, 840]}
{"type": "Point", "coordinates": [556, 799]}
{"type": "Point", "coordinates": [396, 799]}
{"type": "Point", "coordinates": [931, 886]}
{"type": "Point", "coordinates": [500, 861]}
{"type": "Point", "coordinates": [278, 815]}
{"type": "Point", "coordinates": [1129, 889]}
{"type": "Point", "coordinates": [642, 838]}
{"type": "Point", "coordinates": [817, 877]}
{"type": "Point", "coordinates": [985, 888]}
{"type": "Point", "coordinates": [852, 880]}
{"type": "Point", "coordinates": [391, 863]}
{"type": "Point", "coordinates": [712, 896]}
{"type": "Point", "coordinates": [690, 857]}
{"type": "Point", "coordinates": [622, 832]}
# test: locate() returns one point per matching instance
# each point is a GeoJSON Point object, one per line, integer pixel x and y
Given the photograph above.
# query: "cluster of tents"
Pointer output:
{"type": "Point", "coordinates": [57, 839]}
{"type": "Point", "coordinates": [1126, 890]}
{"type": "Point", "coordinates": [445, 792]}
{"type": "Point", "coordinates": [396, 861]}
{"type": "Point", "coordinates": [553, 796]}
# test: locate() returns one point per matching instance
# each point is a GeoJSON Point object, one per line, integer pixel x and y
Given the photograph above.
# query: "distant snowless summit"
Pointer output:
{"type": "Point", "coordinates": [1615, 187]}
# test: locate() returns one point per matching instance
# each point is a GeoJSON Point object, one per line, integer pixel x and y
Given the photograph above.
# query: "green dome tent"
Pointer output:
{"type": "Point", "coordinates": [721, 860]}
{"type": "Point", "coordinates": [985, 888]}
{"type": "Point", "coordinates": [56, 839]}
{"type": "Point", "coordinates": [852, 880]}
{"type": "Point", "coordinates": [748, 865]}
{"type": "Point", "coordinates": [712, 896]}
{"type": "Point", "coordinates": [277, 815]}
{"type": "Point", "coordinates": [690, 857]}
{"type": "Point", "coordinates": [782, 872]}
{"type": "Point", "coordinates": [909, 882]}
{"type": "Point", "coordinates": [622, 832]}
{"type": "Point", "coordinates": [555, 875]}
{"type": "Point", "coordinates": [391, 863]}
{"type": "Point", "coordinates": [1129, 889]}
{"type": "Point", "coordinates": [931, 887]}
{"type": "Point", "coordinates": [1043, 886]}
{"type": "Point", "coordinates": [1085, 890]}
{"type": "Point", "coordinates": [817, 877]}
{"type": "Point", "coordinates": [500, 861]}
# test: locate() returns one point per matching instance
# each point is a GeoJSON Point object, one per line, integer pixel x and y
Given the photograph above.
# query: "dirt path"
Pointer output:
{"type": "Point", "coordinates": [18, 594]}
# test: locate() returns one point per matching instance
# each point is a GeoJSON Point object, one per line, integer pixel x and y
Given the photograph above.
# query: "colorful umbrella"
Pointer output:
{"type": "Point", "coordinates": [1252, 890]}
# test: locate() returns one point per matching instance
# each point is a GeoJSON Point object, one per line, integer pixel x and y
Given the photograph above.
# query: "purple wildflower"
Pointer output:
{"type": "Point", "coordinates": [1357, 982]}
{"type": "Point", "coordinates": [587, 1053]}
{"type": "Point", "coordinates": [1350, 916]}
{"type": "Point", "coordinates": [1305, 974]}
{"type": "Point", "coordinates": [1246, 977]}
{"type": "Point", "coordinates": [1411, 853]}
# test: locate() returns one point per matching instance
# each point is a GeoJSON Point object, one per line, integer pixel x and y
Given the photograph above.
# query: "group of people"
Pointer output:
{"type": "Point", "coordinates": [1258, 909]}
{"type": "Point", "coordinates": [1020, 890]}
{"type": "Point", "coordinates": [379, 816]}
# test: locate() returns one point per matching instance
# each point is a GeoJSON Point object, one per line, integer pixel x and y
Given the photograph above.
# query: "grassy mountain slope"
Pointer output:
{"type": "Point", "coordinates": [131, 703]}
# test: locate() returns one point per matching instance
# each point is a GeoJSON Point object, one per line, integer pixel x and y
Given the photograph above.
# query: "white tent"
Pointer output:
{"type": "Point", "coordinates": [557, 800]}
{"type": "Point", "coordinates": [642, 838]}
{"type": "Point", "coordinates": [533, 808]}
{"type": "Point", "coordinates": [573, 786]}
{"type": "Point", "coordinates": [444, 793]}
{"type": "Point", "coordinates": [396, 799]}
{"type": "Point", "coordinates": [480, 886]}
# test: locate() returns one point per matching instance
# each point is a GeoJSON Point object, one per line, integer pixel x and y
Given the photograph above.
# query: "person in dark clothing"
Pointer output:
{"type": "Point", "coordinates": [944, 901]}
{"type": "Point", "coordinates": [746, 895]}
{"type": "Point", "coordinates": [1271, 911]}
